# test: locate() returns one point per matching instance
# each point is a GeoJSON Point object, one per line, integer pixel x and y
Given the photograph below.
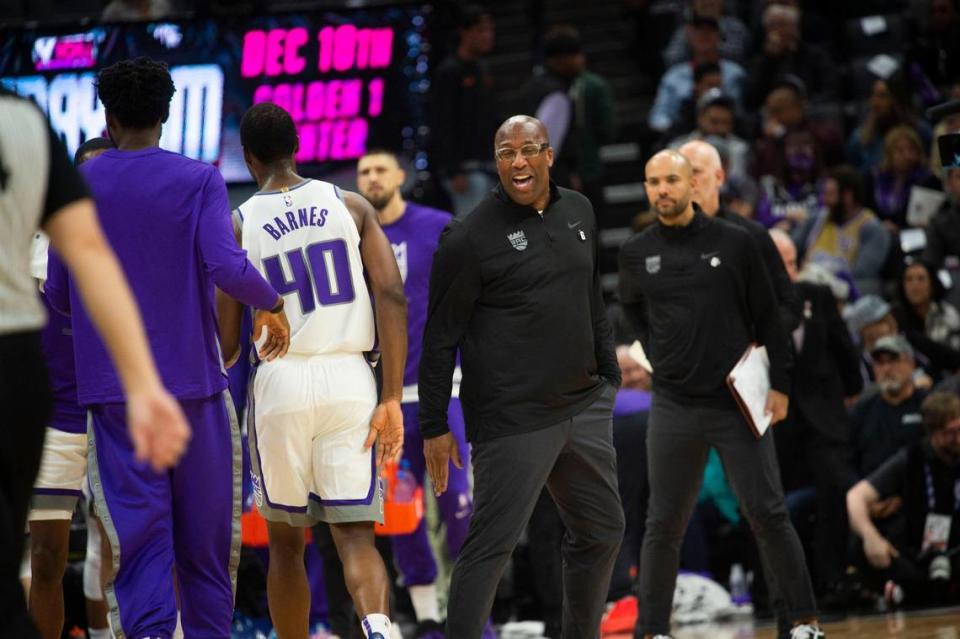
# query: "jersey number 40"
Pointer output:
{"type": "Point", "coordinates": [321, 272]}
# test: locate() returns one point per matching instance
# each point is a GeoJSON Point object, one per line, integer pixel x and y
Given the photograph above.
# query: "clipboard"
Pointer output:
{"type": "Point", "coordinates": [749, 383]}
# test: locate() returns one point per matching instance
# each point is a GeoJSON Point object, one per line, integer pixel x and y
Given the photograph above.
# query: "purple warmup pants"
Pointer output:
{"type": "Point", "coordinates": [412, 553]}
{"type": "Point", "coordinates": [188, 518]}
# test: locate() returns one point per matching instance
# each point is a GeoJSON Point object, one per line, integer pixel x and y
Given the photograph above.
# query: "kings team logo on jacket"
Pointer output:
{"type": "Point", "coordinates": [518, 240]}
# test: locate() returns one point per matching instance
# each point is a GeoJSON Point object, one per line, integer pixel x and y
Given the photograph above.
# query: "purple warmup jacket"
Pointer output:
{"type": "Point", "coordinates": [167, 217]}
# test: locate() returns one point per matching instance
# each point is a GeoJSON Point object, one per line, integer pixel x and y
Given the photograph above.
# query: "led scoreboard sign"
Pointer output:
{"type": "Point", "coordinates": [350, 80]}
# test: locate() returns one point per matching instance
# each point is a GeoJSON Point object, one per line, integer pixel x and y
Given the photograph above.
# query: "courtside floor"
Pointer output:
{"type": "Point", "coordinates": [927, 624]}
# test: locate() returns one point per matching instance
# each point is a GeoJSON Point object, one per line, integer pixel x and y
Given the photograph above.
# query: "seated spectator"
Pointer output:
{"type": "Point", "coordinates": [789, 198]}
{"type": "Point", "coordinates": [845, 236]}
{"type": "Point", "coordinates": [921, 308]}
{"type": "Point", "coordinates": [677, 84]}
{"type": "Point", "coordinates": [924, 476]}
{"type": "Point", "coordinates": [943, 231]}
{"type": "Point", "coordinates": [706, 78]}
{"type": "Point", "coordinates": [734, 35]}
{"type": "Point", "coordinates": [785, 53]}
{"type": "Point", "coordinates": [716, 114]}
{"type": "Point", "coordinates": [948, 124]}
{"type": "Point", "coordinates": [785, 110]}
{"type": "Point", "coordinates": [881, 423]}
{"type": "Point", "coordinates": [937, 47]}
{"type": "Point", "coordinates": [903, 167]}
{"type": "Point", "coordinates": [740, 194]}
{"type": "Point", "coordinates": [890, 106]}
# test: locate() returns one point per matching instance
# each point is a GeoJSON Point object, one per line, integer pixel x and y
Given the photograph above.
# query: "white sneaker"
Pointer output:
{"type": "Point", "coordinates": [807, 631]}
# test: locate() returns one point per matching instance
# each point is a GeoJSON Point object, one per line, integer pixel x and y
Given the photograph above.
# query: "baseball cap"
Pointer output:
{"type": "Point", "coordinates": [892, 344]}
{"type": "Point", "coordinates": [867, 310]}
{"type": "Point", "coordinates": [715, 96]}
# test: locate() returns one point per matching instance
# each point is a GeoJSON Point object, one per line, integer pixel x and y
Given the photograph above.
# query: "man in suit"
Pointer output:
{"type": "Point", "coordinates": [827, 372]}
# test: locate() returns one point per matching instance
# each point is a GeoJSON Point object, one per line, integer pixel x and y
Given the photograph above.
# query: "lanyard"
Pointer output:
{"type": "Point", "coordinates": [931, 496]}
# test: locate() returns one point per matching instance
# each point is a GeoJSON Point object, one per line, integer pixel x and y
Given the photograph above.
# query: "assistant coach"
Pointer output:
{"type": "Point", "coordinates": [697, 293]}
{"type": "Point", "coordinates": [515, 287]}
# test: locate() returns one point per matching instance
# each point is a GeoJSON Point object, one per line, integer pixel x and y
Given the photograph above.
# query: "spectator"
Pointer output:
{"type": "Point", "coordinates": [577, 108]}
{"type": "Point", "coordinates": [786, 110]}
{"type": "Point", "coordinates": [785, 53]}
{"type": "Point", "coordinates": [883, 422]}
{"type": "Point", "coordinates": [716, 114]}
{"type": "Point", "coordinates": [872, 318]}
{"type": "Point", "coordinates": [889, 106]}
{"type": "Point", "coordinates": [131, 10]}
{"type": "Point", "coordinates": [903, 167]}
{"type": "Point", "coordinates": [465, 113]}
{"type": "Point", "coordinates": [921, 308]}
{"type": "Point", "coordinates": [943, 231]}
{"type": "Point", "coordinates": [734, 35]}
{"type": "Point", "coordinates": [788, 199]}
{"type": "Point", "coordinates": [937, 49]}
{"type": "Point", "coordinates": [924, 476]}
{"type": "Point", "coordinates": [948, 124]}
{"type": "Point", "coordinates": [845, 236]}
{"type": "Point", "coordinates": [677, 84]}
{"type": "Point", "coordinates": [813, 438]}
{"type": "Point", "coordinates": [706, 78]}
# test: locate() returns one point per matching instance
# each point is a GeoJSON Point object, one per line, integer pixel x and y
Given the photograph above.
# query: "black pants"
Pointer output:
{"type": "Point", "coordinates": [809, 457]}
{"type": "Point", "coordinates": [678, 440]}
{"type": "Point", "coordinates": [576, 462]}
{"type": "Point", "coordinates": [25, 396]}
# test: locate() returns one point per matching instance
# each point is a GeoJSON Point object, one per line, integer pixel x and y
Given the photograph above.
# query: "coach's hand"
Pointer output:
{"type": "Point", "coordinates": [438, 451]}
{"type": "Point", "coordinates": [278, 334]}
{"type": "Point", "coordinates": [777, 404]}
{"type": "Point", "coordinates": [386, 430]}
{"type": "Point", "coordinates": [158, 429]}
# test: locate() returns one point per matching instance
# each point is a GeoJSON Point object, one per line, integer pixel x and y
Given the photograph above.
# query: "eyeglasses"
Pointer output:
{"type": "Point", "coordinates": [527, 151]}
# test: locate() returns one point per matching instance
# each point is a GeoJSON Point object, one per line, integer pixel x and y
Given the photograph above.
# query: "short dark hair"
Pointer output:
{"type": "Point", "coordinates": [938, 410]}
{"type": "Point", "coordinates": [379, 150]}
{"type": "Point", "coordinates": [136, 92]}
{"type": "Point", "coordinates": [561, 40]}
{"type": "Point", "coordinates": [471, 15]}
{"type": "Point", "coordinates": [268, 132]}
{"type": "Point", "coordinates": [848, 179]}
{"type": "Point", "coordinates": [91, 145]}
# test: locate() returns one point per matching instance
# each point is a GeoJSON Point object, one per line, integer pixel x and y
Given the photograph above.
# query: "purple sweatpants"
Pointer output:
{"type": "Point", "coordinates": [188, 518]}
{"type": "Point", "coordinates": [412, 552]}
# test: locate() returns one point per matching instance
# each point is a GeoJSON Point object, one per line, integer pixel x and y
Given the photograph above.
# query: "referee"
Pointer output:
{"type": "Point", "coordinates": [697, 293]}
{"type": "Point", "coordinates": [515, 287]}
{"type": "Point", "coordinates": [40, 188]}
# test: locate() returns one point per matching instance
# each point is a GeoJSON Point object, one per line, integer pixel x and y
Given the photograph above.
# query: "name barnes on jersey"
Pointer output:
{"type": "Point", "coordinates": [303, 217]}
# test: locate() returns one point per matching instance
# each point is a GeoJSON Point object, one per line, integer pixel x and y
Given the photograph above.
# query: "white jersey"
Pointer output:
{"type": "Point", "coordinates": [305, 243]}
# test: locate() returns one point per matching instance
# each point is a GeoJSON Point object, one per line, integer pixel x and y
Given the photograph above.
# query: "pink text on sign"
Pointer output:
{"type": "Point", "coordinates": [272, 53]}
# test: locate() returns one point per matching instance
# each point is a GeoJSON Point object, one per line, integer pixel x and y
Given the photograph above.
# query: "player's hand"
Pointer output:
{"type": "Point", "coordinates": [438, 451]}
{"type": "Point", "coordinates": [879, 551]}
{"type": "Point", "coordinates": [777, 404]}
{"type": "Point", "coordinates": [386, 430]}
{"type": "Point", "coordinates": [278, 334]}
{"type": "Point", "coordinates": [158, 429]}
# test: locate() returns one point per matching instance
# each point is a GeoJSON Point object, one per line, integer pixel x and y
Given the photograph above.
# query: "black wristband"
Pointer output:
{"type": "Point", "coordinates": [279, 307]}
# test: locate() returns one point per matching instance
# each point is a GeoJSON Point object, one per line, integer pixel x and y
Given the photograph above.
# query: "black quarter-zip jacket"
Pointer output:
{"type": "Point", "coordinates": [519, 295]}
{"type": "Point", "coordinates": [697, 296]}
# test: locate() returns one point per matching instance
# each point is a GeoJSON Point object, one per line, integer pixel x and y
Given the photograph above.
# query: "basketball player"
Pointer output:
{"type": "Point", "coordinates": [168, 219]}
{"type": "Point", "coordinates": [63, 468]}
{"type": "Point", "coordinates": [414, 231]}
{"type": "Point", "coordinates": [40, 188]}
{"type": "Point", "coordinates": [314, 414]}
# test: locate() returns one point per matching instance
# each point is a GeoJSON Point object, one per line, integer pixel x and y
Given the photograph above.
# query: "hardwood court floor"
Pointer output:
{"type": "Point", "coordinates": [934, 624]}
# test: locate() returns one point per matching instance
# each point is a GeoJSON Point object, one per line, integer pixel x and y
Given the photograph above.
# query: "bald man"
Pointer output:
{"type": "Point", "coordinates": [515, 287]}
{"type": "Point", "coordinates": [812, 443]}
{"type": "Point", "coordinates": [710, 177]}
{"type": "Point", "coordinates": [697, 294]}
